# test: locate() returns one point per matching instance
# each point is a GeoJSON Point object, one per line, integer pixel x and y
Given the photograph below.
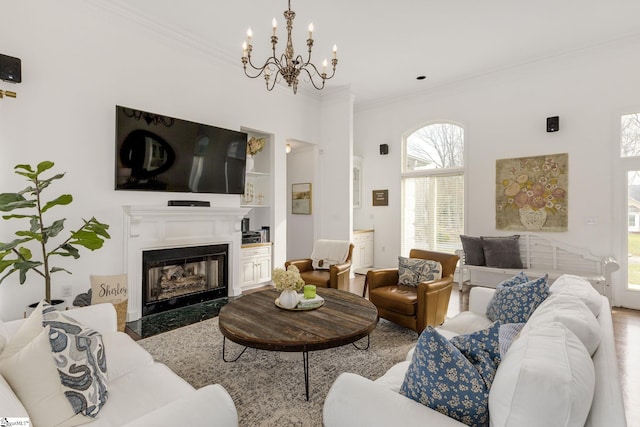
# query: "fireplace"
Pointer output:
{"type": "Point", "coordinates": [177, 277]}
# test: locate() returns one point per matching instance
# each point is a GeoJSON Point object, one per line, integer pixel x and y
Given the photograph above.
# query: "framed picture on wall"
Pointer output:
{"type": "Point", "coordinates": [301, 199]}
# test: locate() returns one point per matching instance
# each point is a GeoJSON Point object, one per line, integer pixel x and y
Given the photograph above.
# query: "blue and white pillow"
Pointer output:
{"type": "Point", "coordinates": [515, 303]}
{"type": "Point", "coordinates": [413, 271]}
{"type": "Point", "coordinates": [518, 279]}
{"type": "Point", "coordinates": [80, 360]}
{"type": "Point", "coordinates": [442, 378]}
{"type": "Point", "coordinates": [482, 349]}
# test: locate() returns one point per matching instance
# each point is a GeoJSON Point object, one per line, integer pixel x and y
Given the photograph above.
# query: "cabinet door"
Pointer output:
{"type": "Point", "coordinates": [367, 254]}
{"type": "Point", "coordinates": [248, 272]}
{"type": "Point", "coordinates": [263, 269]}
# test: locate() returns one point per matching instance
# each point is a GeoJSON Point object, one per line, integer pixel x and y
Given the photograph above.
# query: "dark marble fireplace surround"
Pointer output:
{"type": "Point", "coordinates": [178, 277]}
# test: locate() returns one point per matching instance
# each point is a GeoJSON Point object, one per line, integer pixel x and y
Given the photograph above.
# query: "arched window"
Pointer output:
{"type": "Point", "coordinates": [433, 188]}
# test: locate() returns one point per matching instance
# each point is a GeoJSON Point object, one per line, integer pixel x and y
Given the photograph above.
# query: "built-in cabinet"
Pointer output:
{"type": "Point", "coordinates": [256, 259]}
{"type": "Point", "coordinates": [255, 265]}
{"type": "Point", "coordinates": [362, 256]}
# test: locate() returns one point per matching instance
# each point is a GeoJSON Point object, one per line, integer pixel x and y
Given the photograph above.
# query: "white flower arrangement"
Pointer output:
{"type": "Point", "coordinates": [287, 280]}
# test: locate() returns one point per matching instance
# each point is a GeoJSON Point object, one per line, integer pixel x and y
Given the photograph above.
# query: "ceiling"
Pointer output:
{"type": "Point", "coordinates": [384, 45]}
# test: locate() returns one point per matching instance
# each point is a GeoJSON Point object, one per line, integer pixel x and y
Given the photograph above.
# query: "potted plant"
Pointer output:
{"type": "Point", "coordinates": [15, 256]}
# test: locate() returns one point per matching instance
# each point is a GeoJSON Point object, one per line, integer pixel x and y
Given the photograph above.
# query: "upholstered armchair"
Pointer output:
{"type": "Point", "coordinates": [336, 277]}
{"type": "Point", "coordinates": [413, 307]}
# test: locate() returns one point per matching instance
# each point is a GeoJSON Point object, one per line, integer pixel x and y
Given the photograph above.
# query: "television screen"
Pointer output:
{"type": "Point", "coordinates": [161, 153]}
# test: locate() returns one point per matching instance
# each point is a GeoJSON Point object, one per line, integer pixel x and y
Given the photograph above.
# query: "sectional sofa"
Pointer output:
{"type": "Point", "coordinates": [549, 376]}
{"type": "Point", "coordinates": [140, 391]}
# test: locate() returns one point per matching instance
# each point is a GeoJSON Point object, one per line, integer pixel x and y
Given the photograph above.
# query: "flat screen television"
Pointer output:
{"type": "Point", "coordinates": [161, 153]}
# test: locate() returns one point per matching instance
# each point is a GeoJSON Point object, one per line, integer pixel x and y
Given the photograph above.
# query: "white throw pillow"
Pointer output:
{"type": "Point", "coordinates": [573, 314]}
{"type": "Point", "coordinates": [29, 329]}
{"type": "Point", "coordinates": [578, 287]}
{"type": "Point", "coordinates": [32, 374]}
{"type": "Point", "coordinates": [546, 379]}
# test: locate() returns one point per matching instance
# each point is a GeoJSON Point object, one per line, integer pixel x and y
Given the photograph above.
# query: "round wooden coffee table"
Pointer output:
{"type": "Point", "coordinates": [255, 321]}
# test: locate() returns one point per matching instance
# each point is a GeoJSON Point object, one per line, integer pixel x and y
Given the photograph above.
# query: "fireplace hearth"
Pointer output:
{"type": "Point", "coordinates": [178, 277]}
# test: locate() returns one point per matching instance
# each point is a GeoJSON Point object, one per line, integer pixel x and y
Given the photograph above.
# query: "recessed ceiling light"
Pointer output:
{"type": "Point", "coordinates": [421, 77]}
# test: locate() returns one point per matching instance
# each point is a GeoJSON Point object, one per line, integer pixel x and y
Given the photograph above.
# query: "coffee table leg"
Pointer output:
{"type": "Point", "coordinates": [305, 359]}
{"type": "Point", "coordinates": [363, 348]}
{"type": "Point", "coordinates": [224, 341]}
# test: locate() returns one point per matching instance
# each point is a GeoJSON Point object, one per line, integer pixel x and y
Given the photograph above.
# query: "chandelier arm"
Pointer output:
{"type": "Point", "coordinates": [311, 78]}
{"type": "Point", "coordinates": [270, 61]}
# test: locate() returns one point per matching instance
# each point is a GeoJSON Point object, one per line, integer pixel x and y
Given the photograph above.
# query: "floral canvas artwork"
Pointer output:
{"type": "Point", "coordinates": [531, 193]}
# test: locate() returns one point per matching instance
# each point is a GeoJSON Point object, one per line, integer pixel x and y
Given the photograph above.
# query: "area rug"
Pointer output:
{"type": "Point", "coordinates": [268, 387]}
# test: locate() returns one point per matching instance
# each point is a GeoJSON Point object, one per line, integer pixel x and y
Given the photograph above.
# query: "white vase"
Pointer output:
{"type": "Point", "coordinates": [532, 219]}
{"type": "Point", "coordinates": [250, 163]}
{"type": "Point", "coordinates": [288, 299]}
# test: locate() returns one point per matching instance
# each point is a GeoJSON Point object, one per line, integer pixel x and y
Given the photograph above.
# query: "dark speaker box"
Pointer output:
{"type": "Point", "coordinates": [197, 203]}
{"type": "Point", "coordinates": [384, 149]}
{"type": "Point", "coordinates": [10, 69]}
{"type": "Point", "coordinates": [553, 124]}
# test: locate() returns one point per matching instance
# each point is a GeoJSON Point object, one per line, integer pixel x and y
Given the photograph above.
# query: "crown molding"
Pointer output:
{"type": "Point", "coordinates": [121, 9]}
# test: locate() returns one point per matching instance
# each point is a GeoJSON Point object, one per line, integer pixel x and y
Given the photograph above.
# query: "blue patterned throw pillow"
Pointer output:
{"type": "Point", "coordinates": [518, 279]}
{"type": "Point", "coordinates": [442, 378]}
{"type": "Point", "coordinates": [515, 303]}
{"type": "Point", "coordinates": [81, 362]}
{"type": "Point", "coordinates": [482, 349]}
{"type": "Point", "coordinates": [412, 271]}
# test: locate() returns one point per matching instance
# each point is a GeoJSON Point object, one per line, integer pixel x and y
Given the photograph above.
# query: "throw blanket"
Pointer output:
{"type": "Point", "coordinates": [328, 252]}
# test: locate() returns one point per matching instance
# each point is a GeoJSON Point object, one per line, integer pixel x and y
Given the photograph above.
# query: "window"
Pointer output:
{"type": "Point", "coordinates": [630, 135]}
{"type": "Point", "coordinates": [630, 151]}
{"type": "Point", "coordinates": [433, 188]}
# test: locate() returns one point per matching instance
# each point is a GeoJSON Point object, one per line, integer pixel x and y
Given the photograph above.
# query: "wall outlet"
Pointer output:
{"type": "Point", "coordinates": [66, 291]}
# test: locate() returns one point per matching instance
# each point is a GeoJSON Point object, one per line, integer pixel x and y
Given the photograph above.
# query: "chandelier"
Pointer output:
{"type": "Point", "coordinates": [289, 66]}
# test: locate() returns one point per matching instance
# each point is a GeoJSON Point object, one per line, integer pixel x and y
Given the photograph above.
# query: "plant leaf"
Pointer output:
{"type": "Point", "coordinates": [88, 239]}
{"type": "Point", "coordinates": [43, 166]}
{"type": "Point", "coordinates": [24, 267]}
{"type": "Point", "coordinates": [18, 216]}
{"type": "Point", "coordinates": [65, 199]}
{"type": "Point", "coordinates": [11, 201]}
{"type": "Point", "coordinates": [12, 244]}
{"type": "Point", "coordinates": [67, 250]}
{"type": "Point", "coordinates": [54, 229]}
{"type": "Point", "coordinates": [56, 269]}
{"type": "Point", "coordinates": [33, 236]}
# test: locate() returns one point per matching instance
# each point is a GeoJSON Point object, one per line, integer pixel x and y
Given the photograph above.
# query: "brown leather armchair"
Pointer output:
{"type": "Point", "coordinates": [413, 307]}
{"type": "Point", "coordinates": [337, 277]}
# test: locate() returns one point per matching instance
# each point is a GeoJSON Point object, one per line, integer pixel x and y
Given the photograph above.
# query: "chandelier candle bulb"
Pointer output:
{"type": "Point", "coordinates": [274, 23]}
{"type": "Point", "coordinates": [311, 30]}
{"type": "Point", "coordinates": [335, 51]}
{"type": "Point", "coordinates": [249, 35]}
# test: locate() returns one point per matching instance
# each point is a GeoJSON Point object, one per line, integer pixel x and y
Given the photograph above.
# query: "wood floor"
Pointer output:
{"type": "Point", "coordinates": [626, 330]}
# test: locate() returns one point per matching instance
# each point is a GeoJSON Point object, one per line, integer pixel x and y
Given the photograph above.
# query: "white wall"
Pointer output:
{"type": "Point", "coordinates": [78, 62]}
{"type": "Point", "coordinates": [301, 168]}
{"type": "Point", "coordinates": [504, 115]}
{"type": "Point", "coordinates": [333, 195]}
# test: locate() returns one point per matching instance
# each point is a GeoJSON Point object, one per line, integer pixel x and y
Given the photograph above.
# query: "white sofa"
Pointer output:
{"type": "Point", "coordinates": [357, 401]}
{"type": "Point", "coordinates": [141, 391]}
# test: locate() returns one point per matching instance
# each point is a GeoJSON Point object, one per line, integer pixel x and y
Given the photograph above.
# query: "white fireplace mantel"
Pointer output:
{"type": "Point", "coordinates": [162, 227]}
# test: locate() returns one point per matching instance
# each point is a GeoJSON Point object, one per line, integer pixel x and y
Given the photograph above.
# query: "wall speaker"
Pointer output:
{"type": "Point", "coordinates": [384, 149]}
{"type": "Point", "coordinates": [10, 69]}
{"type": "Point", "coordinates": [553, 124]}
